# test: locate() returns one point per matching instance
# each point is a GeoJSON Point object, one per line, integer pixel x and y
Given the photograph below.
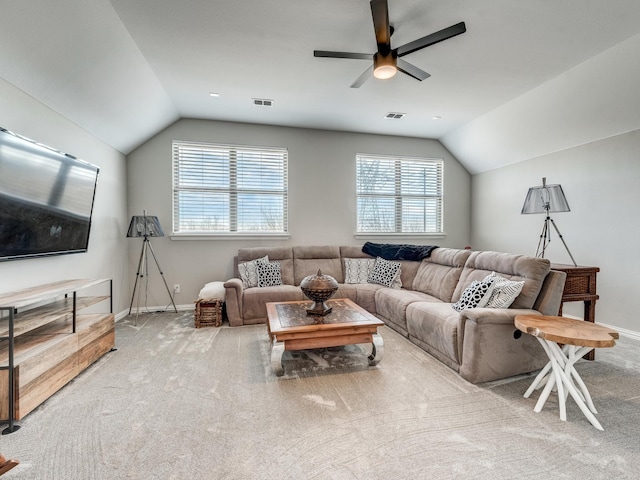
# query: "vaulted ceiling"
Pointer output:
{"type": "Point", "coordinates": [528, 77]}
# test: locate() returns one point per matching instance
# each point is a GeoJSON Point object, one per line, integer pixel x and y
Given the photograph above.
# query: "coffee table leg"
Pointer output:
{"type": "Point", "coordinates": [377, 350]}
{"type": "Point", "coordinates": [277, 351]}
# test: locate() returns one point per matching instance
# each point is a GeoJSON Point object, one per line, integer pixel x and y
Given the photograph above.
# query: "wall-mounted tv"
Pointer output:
{"type": "Point", "coordinates": [46, 199]}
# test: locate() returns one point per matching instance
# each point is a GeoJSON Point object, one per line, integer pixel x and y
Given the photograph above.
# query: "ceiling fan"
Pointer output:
{"type": "Point", "coordinates": [387, 61]}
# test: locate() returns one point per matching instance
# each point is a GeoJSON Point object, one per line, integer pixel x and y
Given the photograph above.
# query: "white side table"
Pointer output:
{"type": "Point", "coordinates": [578, 338]}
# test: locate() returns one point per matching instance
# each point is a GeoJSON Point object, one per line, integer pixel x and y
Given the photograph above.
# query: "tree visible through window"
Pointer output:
{"type": "Point", "coordinates": [398, 194]}
{"type": "Point", "coordinates": [220, 189]}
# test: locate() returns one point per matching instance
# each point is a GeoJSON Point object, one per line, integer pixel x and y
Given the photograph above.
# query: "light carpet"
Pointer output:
{"type": "Point", "coordinates": [175, 402]}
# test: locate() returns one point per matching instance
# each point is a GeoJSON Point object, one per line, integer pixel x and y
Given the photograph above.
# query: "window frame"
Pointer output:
{"type": "Point", "coordinates": [400, 161]}
{"type": "Point", "coordinates": [232, 210]}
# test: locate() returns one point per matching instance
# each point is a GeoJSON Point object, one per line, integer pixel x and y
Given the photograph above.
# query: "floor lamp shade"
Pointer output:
{"type": "Point", "coordinates": [145, 226]}
{"type": "Point", "coordinates": [545, 199]}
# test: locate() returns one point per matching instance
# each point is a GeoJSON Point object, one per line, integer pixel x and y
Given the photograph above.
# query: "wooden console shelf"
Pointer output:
{"type": "Point", "coordinates": [47, 339]}
{"type": "Point", "coordinates": [580, 287]}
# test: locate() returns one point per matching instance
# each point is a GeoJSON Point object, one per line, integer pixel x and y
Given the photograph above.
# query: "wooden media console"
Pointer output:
{"type": "Point", "coordinates": [48, 335]}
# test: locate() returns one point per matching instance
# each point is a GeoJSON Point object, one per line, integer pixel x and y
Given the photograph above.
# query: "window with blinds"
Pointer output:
{"type": "Point", "coordinates": [229, 189]}
{"type": "Point", "coordinates": [398, 194]}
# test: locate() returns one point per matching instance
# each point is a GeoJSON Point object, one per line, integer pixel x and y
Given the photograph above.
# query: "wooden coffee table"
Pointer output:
{"type": "Point", "coordinates": [291, 329]}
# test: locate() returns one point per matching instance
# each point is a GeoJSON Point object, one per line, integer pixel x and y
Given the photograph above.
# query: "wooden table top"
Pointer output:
{"type": "Point", "coordinates": [567, 330]}
{"type": "Point", "coordinates": [292, 316]}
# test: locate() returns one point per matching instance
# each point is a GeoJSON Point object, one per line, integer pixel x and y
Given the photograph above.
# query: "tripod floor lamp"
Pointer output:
{"type": "Point", "coordinates": [146, 226]}
{"type": "Point", "coordinates": [547, 199]}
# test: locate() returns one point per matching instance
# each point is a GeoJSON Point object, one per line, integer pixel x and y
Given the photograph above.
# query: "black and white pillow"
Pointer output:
{"type": "Point", "coordinates": [269, 274]}
{"type": "Point", "coordinates": [357, 270]}
{"type": "Point", "coordinates": [474, 294]}
{"type": "Point", "coordinates": [385, 272]}
{"type": "Point", "coordinates": [505, 291]}
{"type": "Point", "coordinates": [249, 273]}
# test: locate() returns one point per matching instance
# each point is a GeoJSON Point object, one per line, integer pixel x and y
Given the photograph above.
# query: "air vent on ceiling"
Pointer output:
{"type": "Point", "coordinates": [263, 102]}
{"type": "Point", "coordinates": [394, 115]}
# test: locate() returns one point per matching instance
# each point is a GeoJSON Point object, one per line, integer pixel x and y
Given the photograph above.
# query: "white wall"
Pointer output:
{"type": "Point", "coordinates": [106, 255]}
{"type": "Point", "coordinates": [321, 197]}
{"type": "Point", "coordinates": [601, 181]}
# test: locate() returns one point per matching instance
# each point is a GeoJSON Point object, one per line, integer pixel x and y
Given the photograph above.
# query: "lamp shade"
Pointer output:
{"type": "Point", "coordinates": [545, 199]}
{"type": "Point", "coordinates": [144, 226]}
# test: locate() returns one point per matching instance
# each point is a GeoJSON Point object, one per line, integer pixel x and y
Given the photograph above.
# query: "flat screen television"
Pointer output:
{"type": "Point", "coordinates": [46, 199]}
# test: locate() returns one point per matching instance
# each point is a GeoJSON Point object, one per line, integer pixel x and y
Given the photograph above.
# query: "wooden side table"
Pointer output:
{"type": "Point", "coordinates": [578, 338]}
{"type": "Point", "coordinates": [580, 287]}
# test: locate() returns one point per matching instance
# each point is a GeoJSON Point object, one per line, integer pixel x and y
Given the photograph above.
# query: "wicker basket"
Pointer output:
{"type": "Point", "coordinates": [208, 313]}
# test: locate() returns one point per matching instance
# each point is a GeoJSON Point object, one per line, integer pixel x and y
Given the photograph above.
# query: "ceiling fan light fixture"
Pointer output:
{"type": "Point", "coordinates": [384, 67]}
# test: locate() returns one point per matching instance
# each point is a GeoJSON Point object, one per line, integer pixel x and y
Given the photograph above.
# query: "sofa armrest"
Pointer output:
{"type": "Point", "coordinates": [489, 316]}
{"type": "Point", "coordinates": [495, 316]}
{"type": "Point", "coordinates": [491, 347]}
{"type": "Point", "coordinates": [233, 301]}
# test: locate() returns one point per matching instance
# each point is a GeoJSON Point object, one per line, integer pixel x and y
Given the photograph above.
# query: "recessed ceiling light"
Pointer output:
{"type": "Point", "coordinates": [436, 117]}
{"type": "Point", "coordinates": [394, 115]}
{"type": "Point", "coordinates": [214, 94]}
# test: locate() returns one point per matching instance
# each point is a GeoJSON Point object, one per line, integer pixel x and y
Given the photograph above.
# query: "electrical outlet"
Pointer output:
{"type": "Point", "coordinates": [176, 288]}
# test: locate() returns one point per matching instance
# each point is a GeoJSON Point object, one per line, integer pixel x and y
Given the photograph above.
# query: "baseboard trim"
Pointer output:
{"type": "Point", "coordinates": [623, 331]}
{"type": "Point", "coordinates": [154, 309]}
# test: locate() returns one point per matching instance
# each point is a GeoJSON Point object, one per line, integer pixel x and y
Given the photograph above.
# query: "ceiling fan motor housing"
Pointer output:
{"type": "Point", "coordinates": [384, 66]}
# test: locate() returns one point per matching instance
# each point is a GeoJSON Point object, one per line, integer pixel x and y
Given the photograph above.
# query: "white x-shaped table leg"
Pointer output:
{"type": "Point", "coordinates": [562, 375]}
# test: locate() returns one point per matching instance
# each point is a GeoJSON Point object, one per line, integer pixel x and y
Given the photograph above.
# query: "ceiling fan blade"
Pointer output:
{"type": "Point", "coordinates": [432, 39]}
{"type": "Point", "coordinates": [362, 78]}
{"type": "Point", "coordinates": [411, 70]}
{"type": "Point", "coordinates": [380, 14]}
{"type": "Point", "coordinates": [357, 56]}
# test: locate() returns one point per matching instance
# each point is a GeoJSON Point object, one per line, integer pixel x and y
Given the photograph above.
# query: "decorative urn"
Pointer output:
{"type": "Point", "coordinates": [319, 288]}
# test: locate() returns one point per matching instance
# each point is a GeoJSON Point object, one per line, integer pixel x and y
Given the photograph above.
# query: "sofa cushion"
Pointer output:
{"type": "Point", "coordinates": [408, 270]}
{"type": "Point", "coordinates": [438, 275]}
{"type": "Point", "coordinates": [436, 325]}
{"type": "Point", "coordinates": [366, 296]}
{"type": "Point", "coordinates": [308, 260]}
{"type": "Point", "coordinates": [282, 254]}
{"type": "Point", "coordinates": [391, 304]}
{"type": "Point", "coordinates": [357, 270]}
{"type": "Point", "coordinates": [269, 274]}
{"type": "Point", "coordinates": [353, 251]}
{"type": "Point", "coordinates": [255, 299]}
{"type": "Point", "coordinates": [384, 272]}
{"type": "Point", "coordinates": [513, 267]}
{"type": "Point", "coordinates": [504, 291]}
{"type": "Point", "coordinates": [248, 271]}
{"type": "Point", "coordinates": [475, 295]}
{"type": "Point", "coordinates": [346, 290]}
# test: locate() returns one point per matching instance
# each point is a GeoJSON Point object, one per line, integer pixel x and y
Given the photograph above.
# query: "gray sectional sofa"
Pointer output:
{"type": "Point", "coordinates": [481, 344]}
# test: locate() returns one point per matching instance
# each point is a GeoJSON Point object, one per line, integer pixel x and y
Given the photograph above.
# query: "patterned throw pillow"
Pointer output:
{"type": "Point", "coordinates": [474, 294]}
{"type": "Point", "coordinates": [249, 273]}
{"type": "Point", "coordinates": [504, 291]}
{"type": "Point", "coordinates": [357, 270]}
{"type": "Point", "coordinates": [384, 272]}
{"type": "Point", "coordinates": [269, 274]}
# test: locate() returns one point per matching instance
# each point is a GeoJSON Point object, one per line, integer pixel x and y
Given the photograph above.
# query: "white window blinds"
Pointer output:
{"type": "Point", "coordinates": [398, 194]}
{"type": "Point", "coordinates": [220, 189]}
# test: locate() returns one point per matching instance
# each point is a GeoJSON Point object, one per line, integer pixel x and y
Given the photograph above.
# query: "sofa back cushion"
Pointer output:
{"type": "Point", "coordinates": [408, 271]}
{"type": "Point", "coordinates": [284, 255]}
{"type": "Point", "coordinates": [513, 267]}
{"type": "Point", "coordinates": [307, 260]}
{"type": "Point", "coordinates": [408, 268]}
{"type": "Point", "coordinates": [438, 274]}
{"type": "Point", "coordinates": [353, 251]}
